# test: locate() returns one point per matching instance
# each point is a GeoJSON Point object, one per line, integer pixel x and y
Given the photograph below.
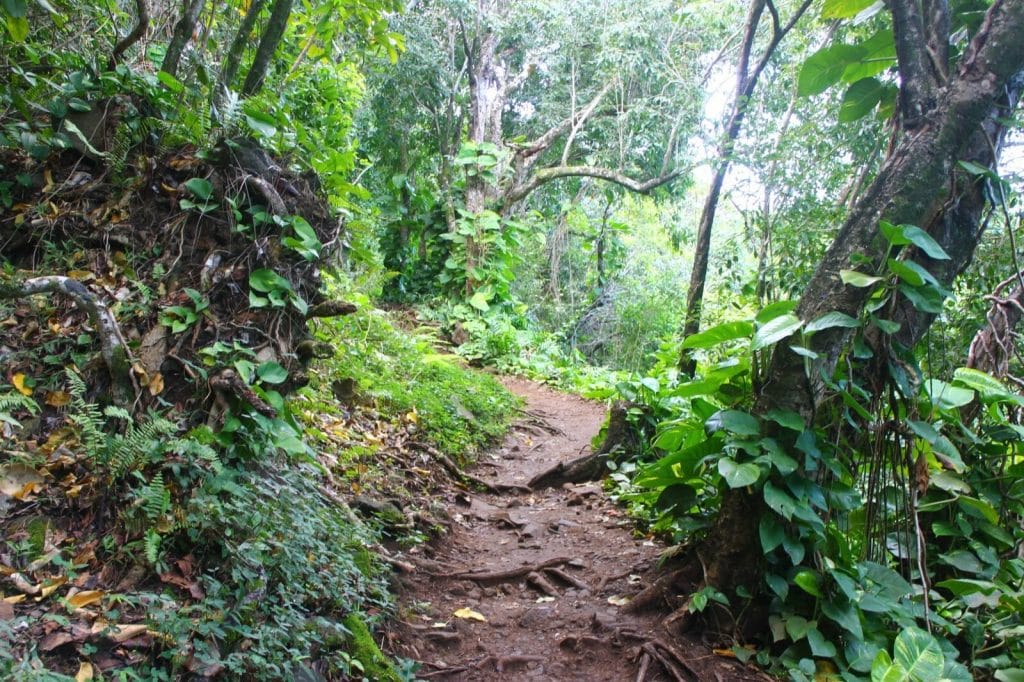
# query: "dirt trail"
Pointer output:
{"type": "Point", "coordinates": [550, 572]}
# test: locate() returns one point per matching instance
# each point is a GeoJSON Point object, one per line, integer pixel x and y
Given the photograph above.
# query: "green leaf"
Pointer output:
{"type": "Point", "coordinates": [808, 581]}
{"type": "Point", "coordinates": [830, 320]}
{"type": "Point", "coordinates": [820, 647]}
{"type": "Point", "coordinates": [16, 8]}
{"type": "Point", "coordinates": [946, 396]}
{"type": "Point", "coordinates": [734, 421]}
{"type": "Point", "coordinates": [719, 334]}
{"type": "Point", "coordinates": [919, 654]}
{"type": "Point", "coordinates": [775, 330]}
{"type": "Point", "coordinates": [796, 627]}
{"type": "Point", "coordinates": [779, 500]}
{"type": "Point", "coordinates": [902, 235]}
{"type": "Point", "coordinates": [844, 9]}
{"type": "Point", "coordinates": [267, 280]}
{"type": "Point", "coordinates": [986, 385]}
{"type": "Point", "coordinates": [773, 310]}
{"type": "Point", "coordinates": [170, 82]}
{"type": "Point", "coordinates": [271, 373]}
{"type": "Point", "coordinates": [479, 301]}
{"type": "Point", "coordinates": [787, 418]}
{"type": "Point", "coordinates": [262, 123]}
{"type": "Point", "coordinates": [18, 28]}
{"type": "Point", "coordinates": [651, 384]}
{"type": "Point", "coordinates": [201, 188]}
{"type": "Point", "coordinates": [879, 56]}
{"type": "Point", "coordinates": [825, 67]}
{"type": "Point", "coordinates": [845, 615]}
{"type": "Point", "coordinates": [860, 99]}
{"type": "Point", "coordinates": [1010, 675]}
{"type": "Point", "coordinates": [858, 279]}
{"type": "Point", "coordinates": [980, 508]}
{"type": "Point", "coordinates": [907, 274]}
{"type": "Point", "coordinates": [962, 586]}
{"type": "Point", "coordinates": [738, 475]}
{"type": "Point", "coordinates": [925, 299]}
{"type": "Point", "coordinates": [772, 533]}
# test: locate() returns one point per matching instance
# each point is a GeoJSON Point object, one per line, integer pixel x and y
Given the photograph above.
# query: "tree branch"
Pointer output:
{"type": "Point", "coordinates": [136, 33]}
{"type": "Point", "coordinates": [546, 175]}
{"type": "Point", "coordinates": [182, 34]}
{"type": "Point", "coordinates": [542, 143]}
{"type": "Point", "coordinates": [113, 348]}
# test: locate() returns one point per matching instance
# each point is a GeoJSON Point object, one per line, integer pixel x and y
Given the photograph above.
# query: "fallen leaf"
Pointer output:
{"type": "Point", "coordinates": [116, 632]}
{"type": "Point", "coordinates": [85, 598]}
{"type": "Point", "coordinates": [50, 587]}
{"type": "Point", "coordinates": [156, 384]}
{"type": "Point", "coordinates": [6, 611]}
{"type": "Point", "coordinates": [56, 639]}
{"type": "Point", "coordinates": [618, 600]}
{"type": "Point", "coordinates": [43, 560]}
{"type": "Point", "coordinates": [544, 600]}
{"type": "Point", "coordinates": [724, 653]}
{"type": "Point", "coordinates": [18, 480]}
{"type": "Point", "coordinates": [14, 599]}
{"type": "Point", "coordinates": [58, 398]}
{"type": "Point", "coordinates": [22, 584]}
{"type": "Point", "coordinates": [81, 275]}
{"type": "Point", "coordinates": [469, 614]}
{"type": "Point", "coordinates": [84, 672]}
{"type": "Point", "coordinates": [19, 384]}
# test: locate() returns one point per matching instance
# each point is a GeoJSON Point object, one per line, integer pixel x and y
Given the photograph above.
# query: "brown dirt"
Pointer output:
{"type": "Point", "coordinates": [552, 625]}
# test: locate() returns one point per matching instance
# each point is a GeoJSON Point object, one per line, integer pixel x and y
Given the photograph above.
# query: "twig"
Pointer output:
{"type": "Point", "coordinates": [510, 574]}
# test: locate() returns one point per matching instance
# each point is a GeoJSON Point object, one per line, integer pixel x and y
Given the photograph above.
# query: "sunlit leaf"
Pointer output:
{"type": "Point", "coordinates": [738, 475]}
{"type": "Point", "coordinates": [18, 380]}
{"type": "Point", "coordinates": [775, 330]}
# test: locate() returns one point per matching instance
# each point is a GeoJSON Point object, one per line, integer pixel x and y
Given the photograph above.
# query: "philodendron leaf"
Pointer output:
{"type": "Point", "coordinates": [775, 330]}
{"type": "Point", "coordinates": [738, 475]}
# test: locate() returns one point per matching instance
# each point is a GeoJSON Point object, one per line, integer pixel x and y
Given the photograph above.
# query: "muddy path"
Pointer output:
{"type": "Point", "coordinates": [531, 585]}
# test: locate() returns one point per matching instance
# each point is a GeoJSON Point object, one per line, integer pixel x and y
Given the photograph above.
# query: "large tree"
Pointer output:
{"type": "Point", "coordinates": [945, 116]}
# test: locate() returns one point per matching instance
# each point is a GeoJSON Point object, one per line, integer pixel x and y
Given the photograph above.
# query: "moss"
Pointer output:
{"type": "Point", "coordinates": [363, 560]}
{"type": "Point", "coordinates": [362, 647]}
{"type": "Point", "coordinates": [36, 529]}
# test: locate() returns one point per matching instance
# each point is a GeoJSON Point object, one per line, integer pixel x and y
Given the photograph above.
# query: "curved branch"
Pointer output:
{"type": "Point", "coordinates": [543, 142]}
{"type": "Point", "coordinates": [112, 344]}
{"type": "Point", "coordinates": [136, 33]}
{"type": "Point", "coordinates": [182, 34]}
{"type": "Point", "coordinates": [546, 175]}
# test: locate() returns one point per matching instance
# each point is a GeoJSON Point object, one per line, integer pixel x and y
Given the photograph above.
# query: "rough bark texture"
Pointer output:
{"type": "Point", "coordinates": [272, 34]}
{"type": "Point", "coordinates": [141, 25]}
{"type": "Point", "coordinates": [182, 34]}
{"type": "Point", "coordinates": [233, 59]}
{"type": "Point", "coordinates": [916, 185]}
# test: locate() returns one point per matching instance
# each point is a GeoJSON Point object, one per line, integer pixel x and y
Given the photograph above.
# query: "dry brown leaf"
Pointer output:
{"type": "Point", "coordinates": [81, 275]}
{"type": "Point", "coordinates": [6, 611]}
{"type": "Point", "coordinates": [85, 598]}
{"type": "Point", "coordinates": [58, 398]}
{"type": "Point", "coordinates": [56, 639]}
{"type": "Point", "coordinates": [85, 672]}
{"type": "Point", "coordinates": [156, 384]}
{"type": "Point", "coordinates": [19, 384]}
{"type": "Point", "coordinates": [19, 480]}
{"type": "Point", "coordinates": [22, 584]}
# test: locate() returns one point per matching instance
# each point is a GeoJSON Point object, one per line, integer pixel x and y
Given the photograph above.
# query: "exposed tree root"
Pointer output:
{"type": "Point", "coordinates": [566, 578]}
{"type": "Point", "coordinates": [657, 591]}
{"type": "Point", "coordinates": [671, 660]}
{"type": "Point", "coordinates": [510, 574]}
{"type": "Point", "coordinates": [458, 473]}
{"type": "Point", "coordinates": [541, 584]}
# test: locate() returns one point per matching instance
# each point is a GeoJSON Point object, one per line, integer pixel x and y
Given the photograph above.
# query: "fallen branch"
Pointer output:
{"type": "Point", "coordinates": [113, 347]}
{"type": "Point", "coordinates": [228, 382]}
{"type": "Point", "coordinates": [455, 471]}
{"type": "Point", "coordinates": [274, 201]}
{"type": "Point", "coordinates": [541, 584]}
{"type": "Point", "coordinates": [331, 309]}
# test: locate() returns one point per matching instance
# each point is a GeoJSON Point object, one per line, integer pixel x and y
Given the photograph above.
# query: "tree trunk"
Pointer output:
{"type": "Point", "coordinates": [272, 34]}
{"type": "Point", "coordinates": [746, 81]}
{"type": "Point", "coordinates": [915, 185]}
{"type": "Point", "coordinates": [182, 34]}
{"type": "Point", "coordinates": [233, 59]}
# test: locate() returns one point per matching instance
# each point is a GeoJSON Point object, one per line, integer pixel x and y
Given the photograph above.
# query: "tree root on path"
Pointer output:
{"type": "Point", "coordinates": [453, 469]}
{"type": "Point", "coordinates": [503, 576]}
{"type": "Point", "coordinates": [655, 592]}
{"type": "Point", "coordinates": [500, 663]}
{"type": "Point", "coordinates": [670, 659]}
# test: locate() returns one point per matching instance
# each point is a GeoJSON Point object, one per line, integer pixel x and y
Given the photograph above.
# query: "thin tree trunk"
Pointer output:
{"type": "Point", "coordinates": [141, 25]}
{"type": "Point", "coordinates": [233, 59]}
{"type": "Point", "coordinates": [272, 34]}
{"type": "Point", "coordinates": [183, 30]}
{"type": "Point", "coordinates": [746, 81]}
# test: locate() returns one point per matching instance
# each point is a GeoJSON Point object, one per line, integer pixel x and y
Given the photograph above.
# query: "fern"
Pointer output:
{"type": "Point", "coordinates": [155, 498]}
{"type": "Point", "coordinates": [13, 401]}
{"type": "Point", "coordinates": [134, 449]}
{"type": "Point", "coordinates": [87, 416]}
{"type": "Point", "coordinates": [151, 545]}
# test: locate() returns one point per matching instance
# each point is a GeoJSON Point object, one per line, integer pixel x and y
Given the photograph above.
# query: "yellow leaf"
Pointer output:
{"type": "Point", "coordinates": [85, 598]}
{"type": "Point", "coordinates": [618, 600]}
{"type": "Point", "coordinates": [50, 587]}
{"type": "Point", "coordinates": [156, 384]}
{"type": "Point", "coordinates": [118, 633]}
{"type": "Point", "coordinates": [57, 398]}
{"type": "Point", "coordinates": [85, 673]}
{"type": "Point", "coordinates": [48, 178]}
{"type": "Point", "coordinates": [14, 599]}
{"type": "Point", "coordinates": [81, 275]}
{"type": "Point", "coordinates": [467, 613]}
{"type": "Point", "coordinates": [19, 383]}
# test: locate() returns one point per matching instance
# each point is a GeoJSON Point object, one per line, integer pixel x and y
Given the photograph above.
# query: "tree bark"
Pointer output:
{"type": "Point", "coordinates": [272, 34]}
{"type": "Point", "coordinates": [746, 82]}
{"type": "Point", "coordinates": [141, 25]}
{"type": "Point", "coordinates": [233, 59]}
{"type": "Point", "coordinates": [183, 30]}
{"type": "Point", "coordinates": [916, 185]}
